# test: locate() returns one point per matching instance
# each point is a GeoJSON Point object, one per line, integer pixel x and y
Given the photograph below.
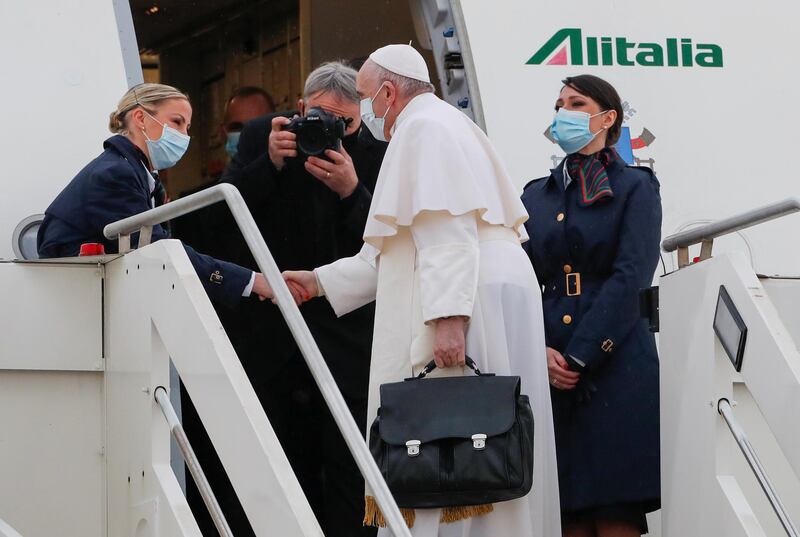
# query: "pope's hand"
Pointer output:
{"type": "Point", "coordinates": [339, 174]}
{"type": "Point", "coordinates": [261, 288]}
{"type": "Point", "coordinates": [302, 284]}
{"type": "Point", "coordinates": [282, 144]}
{"type": "Point", "coordinates": [448, 342]}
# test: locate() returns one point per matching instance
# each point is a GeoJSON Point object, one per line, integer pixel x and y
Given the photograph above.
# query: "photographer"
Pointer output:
{"type": "Point", "coordinates": [311, 211]}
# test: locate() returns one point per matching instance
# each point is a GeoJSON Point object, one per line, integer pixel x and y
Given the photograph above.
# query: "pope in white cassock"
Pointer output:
{"type": "Point", "coordinates": [443, 262]}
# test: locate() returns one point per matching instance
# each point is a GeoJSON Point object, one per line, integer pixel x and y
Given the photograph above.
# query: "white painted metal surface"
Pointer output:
{"type": "Point", "coordinates": [149, 320]}
{"type": "Point", "coordinates": [89, 455]}
{"type": "Point", "coordinates": [713, 158]}
{"type": "Point", "coordinates": [63, 75]}
{"type": "Point", "coordinates": [51, 317]}
{"type": "Point", "coordinates": [785, 294]}
{"type": "Point", "coordinates": [52, 468]}
{"type": "Point", "coordinates": [51, 453]}
{"type": "Point", "coordinates": [8, 531]}
{"type": "Point", "coordinates": [706, 483]}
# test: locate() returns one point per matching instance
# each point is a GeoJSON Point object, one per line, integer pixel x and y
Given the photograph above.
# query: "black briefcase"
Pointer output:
{"type": "Point", "coordinates": [454, 441]}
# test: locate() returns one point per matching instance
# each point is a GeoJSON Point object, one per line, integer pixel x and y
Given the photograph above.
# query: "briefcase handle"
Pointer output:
{"type": "Point", "coordinates": [469, 362]}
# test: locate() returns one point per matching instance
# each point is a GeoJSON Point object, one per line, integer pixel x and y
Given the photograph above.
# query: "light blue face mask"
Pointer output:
{"type": "Point", "coordinates": [374, 124]}
{"type": "Point", "coordinates": [570, 129]}
{"type": "Point", "coordinates": [232, 143]}
{"type": "Point", "coordinates": [167, 150]}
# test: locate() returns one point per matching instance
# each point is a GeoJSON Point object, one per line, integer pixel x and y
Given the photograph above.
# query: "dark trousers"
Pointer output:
{"type": "Point", "coordinates": [311, 440]}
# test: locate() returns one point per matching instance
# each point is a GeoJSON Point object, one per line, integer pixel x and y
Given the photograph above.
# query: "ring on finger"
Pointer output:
{"type": "Point", "coordinates": [328, 176]}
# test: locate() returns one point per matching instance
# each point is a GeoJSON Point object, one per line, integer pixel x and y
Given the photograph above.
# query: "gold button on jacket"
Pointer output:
{"type": "Point", "coordinates": [567, 319]}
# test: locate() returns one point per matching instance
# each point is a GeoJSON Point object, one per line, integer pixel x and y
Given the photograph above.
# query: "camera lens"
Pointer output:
{"type": "Point", "coordinates": [312, 140]}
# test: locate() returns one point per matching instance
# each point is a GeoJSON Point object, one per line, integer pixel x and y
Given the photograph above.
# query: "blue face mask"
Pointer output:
{"type": "Point", "coordinates": [374, 124]}
{"type": "Point", "coordinates": [167, 150]}
{"type": "Point", "coordinates": [570, 130]}
{"type": "Point", "coordinates": [232, 143]}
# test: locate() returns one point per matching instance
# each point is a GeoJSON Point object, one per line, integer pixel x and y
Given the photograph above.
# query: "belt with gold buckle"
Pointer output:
{"type": "Point", "coordinates": [573, 284]}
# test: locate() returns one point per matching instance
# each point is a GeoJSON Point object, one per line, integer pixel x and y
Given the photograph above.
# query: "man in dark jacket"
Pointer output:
{"type": "Point", "coordinates": [311, 211]}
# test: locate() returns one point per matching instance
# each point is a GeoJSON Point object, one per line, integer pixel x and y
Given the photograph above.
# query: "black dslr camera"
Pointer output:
{"type": "Point", "coordinates": [317, 132]}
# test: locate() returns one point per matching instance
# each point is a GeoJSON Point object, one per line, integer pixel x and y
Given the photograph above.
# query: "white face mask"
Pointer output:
{"type": "Point", "coordinates": [374, 124]}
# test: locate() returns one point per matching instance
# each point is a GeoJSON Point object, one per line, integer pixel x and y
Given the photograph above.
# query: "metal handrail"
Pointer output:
{"type": "Point", "coordinates": [724, 408]}
{"type": "Point", "coordinates": [291, 313]}
{"type": "Point", "coordinates": [7, 531]}
{"type": "Point", "coordinates": [189, 456]}
{"type": "Point", "coordinates": [750, 218]}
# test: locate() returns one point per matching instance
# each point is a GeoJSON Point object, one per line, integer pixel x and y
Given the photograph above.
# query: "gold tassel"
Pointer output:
{"type": "Point", "coordinates": [374, 517]}
{"type": "Point", "coordinates": [454, 514]}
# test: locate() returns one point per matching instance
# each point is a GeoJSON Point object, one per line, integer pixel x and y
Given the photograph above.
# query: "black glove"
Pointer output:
{"type": "Point", "coordinates": [585, 387]}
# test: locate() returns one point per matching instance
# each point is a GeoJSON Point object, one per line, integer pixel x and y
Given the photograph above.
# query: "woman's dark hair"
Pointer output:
{"type": "Point", "coordinates": [603, 94]}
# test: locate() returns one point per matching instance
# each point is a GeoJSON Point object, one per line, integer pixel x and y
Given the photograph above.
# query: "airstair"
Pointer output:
{"type": "Point", "coordinates": [84, 394]}
{"type": "Point", "coordinates": [730, 388]}
{"type": "Point", "coordinates": [87, 419]}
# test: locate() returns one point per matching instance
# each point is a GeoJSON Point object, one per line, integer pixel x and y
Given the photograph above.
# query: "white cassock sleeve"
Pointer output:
{"type": "Point", "coordinates": [447, 263]}
{"type": "Point", "coordinates": [350, 282]}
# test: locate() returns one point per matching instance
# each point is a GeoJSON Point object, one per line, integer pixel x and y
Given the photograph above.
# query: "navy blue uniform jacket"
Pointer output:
{"type": "Point", "coordinates": [112, 187]}
{"type": "Point", "coordinates": [608, 447]}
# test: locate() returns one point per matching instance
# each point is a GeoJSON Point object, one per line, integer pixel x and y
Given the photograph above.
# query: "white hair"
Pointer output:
{"type": "Point", "coordinates": [406, 87]}
{"type": "Point", "coordinates": [337, 78]}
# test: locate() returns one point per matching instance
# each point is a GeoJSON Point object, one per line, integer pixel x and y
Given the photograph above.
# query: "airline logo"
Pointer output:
{"type": "Point", "coordinates": [568, 46]}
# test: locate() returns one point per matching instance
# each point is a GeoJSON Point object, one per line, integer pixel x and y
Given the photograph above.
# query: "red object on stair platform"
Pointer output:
{"type": "Point", "coordinates": [92, 248]}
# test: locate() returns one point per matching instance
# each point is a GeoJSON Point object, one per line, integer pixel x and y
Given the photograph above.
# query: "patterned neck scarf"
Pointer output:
{"type": "Point", "coordinates": [590, 173]}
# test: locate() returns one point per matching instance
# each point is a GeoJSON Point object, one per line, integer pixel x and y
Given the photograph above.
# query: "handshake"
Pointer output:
{"type": "Point", "coordinates": [302, 285]}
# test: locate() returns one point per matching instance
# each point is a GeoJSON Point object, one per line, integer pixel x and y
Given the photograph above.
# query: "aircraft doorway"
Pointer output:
{"type": "Point", "coordinates": [211, 49]}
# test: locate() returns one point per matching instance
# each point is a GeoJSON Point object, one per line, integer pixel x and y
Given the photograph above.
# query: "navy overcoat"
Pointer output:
{"type": "Point", "coordinates": [592, 261]}
{"type": "Point", "coordinates": [115, 186]}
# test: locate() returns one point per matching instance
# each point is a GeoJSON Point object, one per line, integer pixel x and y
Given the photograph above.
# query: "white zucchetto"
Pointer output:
{"type": "Point", "coordinates": [403, 60]}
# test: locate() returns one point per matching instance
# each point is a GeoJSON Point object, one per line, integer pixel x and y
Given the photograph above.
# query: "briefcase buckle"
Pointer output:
{"type": "Point", "coordinates": [413, 447]}
{"type": "Point", "coordinates": [574, 284]}
{"type": "Point", "coordinates": [478, 442]}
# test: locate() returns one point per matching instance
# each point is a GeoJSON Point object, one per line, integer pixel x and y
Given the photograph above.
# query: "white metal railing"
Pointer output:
{"type": "Point", "coordinates": [709, 488]}
{"type": "Point", "coordinates": [203, 487]}
{"type": "Point", "coordinates": [144, 222]}
{"type": "Point", "coordinates": [7, 531]}
{"type": "Point", "coordinates": [724, 408]}
{"type": "Point", "coordinates": [706, 234]}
